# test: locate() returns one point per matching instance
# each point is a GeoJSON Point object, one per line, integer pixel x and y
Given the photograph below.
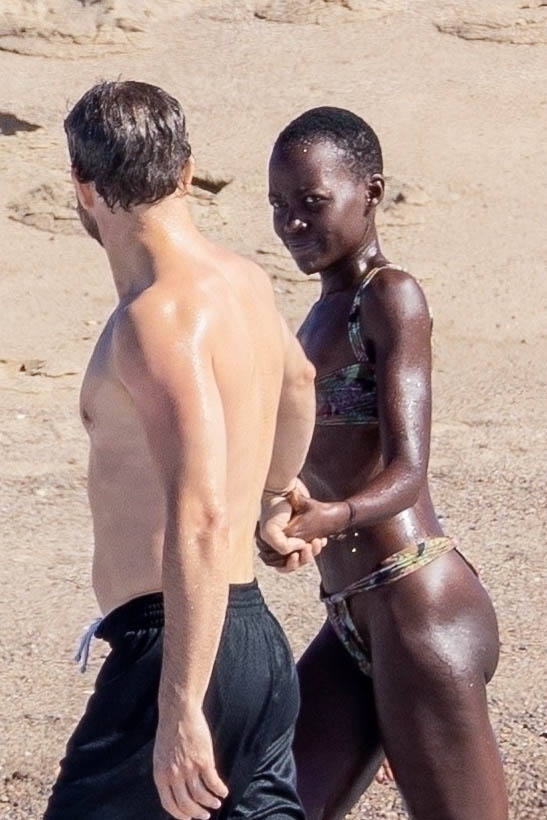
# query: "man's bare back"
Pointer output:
{"type": "Point", "coordinates": [228, 302]}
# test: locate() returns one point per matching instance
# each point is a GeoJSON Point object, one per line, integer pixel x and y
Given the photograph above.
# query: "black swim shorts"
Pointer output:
{"type": "Point", "coordinates": [251, 706]}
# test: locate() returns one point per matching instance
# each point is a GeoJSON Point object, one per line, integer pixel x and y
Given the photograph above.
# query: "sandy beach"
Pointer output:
{"type": "Point", "coordinates": [456, 93]}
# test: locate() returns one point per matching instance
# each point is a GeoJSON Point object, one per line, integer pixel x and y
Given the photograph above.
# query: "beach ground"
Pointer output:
{"type": "Point", "coordinates": [457, 97]}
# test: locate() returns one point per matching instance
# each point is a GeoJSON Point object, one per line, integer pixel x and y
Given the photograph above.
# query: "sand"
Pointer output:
{"type": "Point", "coordinates": [456, 92]}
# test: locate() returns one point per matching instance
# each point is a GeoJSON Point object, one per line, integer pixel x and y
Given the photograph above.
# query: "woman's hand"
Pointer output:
{"type": "Point", "coordinates": [316, 519]}
{"type": "Point", "coordinates": [276, 547]}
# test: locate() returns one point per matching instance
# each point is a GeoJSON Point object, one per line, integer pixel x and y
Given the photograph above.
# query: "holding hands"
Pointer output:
{"type": "Point", "coordinates": [294, 528]}
{"type": "Point", "coordinates": [313, 520]}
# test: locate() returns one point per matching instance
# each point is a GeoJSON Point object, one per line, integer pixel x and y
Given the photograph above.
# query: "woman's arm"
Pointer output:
{"type": "Point", "coordinates": [398, 325]}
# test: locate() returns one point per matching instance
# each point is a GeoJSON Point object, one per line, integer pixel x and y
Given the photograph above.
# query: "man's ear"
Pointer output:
{"type": "Point", "coordinates": [376, 189]}
{"type": "Point", "coordinates": [85, 191]}
{"type": "Point", "coordinates": [187, 173]}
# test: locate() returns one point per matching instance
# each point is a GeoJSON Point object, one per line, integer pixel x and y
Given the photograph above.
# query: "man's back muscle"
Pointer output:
{"type": "Point", "coordinates": [234, 311]}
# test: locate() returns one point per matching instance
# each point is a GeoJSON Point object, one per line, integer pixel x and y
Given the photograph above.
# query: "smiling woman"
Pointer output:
{"type": "Point", "coordinates": [401, 663]}
{"type": "Point", "coordinates": [317, 210]}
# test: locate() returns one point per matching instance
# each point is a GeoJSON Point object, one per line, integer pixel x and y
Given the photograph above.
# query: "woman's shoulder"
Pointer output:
{"type": "Point", "coordinates": [391, 281]}
{"type": "Point", "coordinates": [388, 273]}
{"type": "Point", "coordinates": [394, 292]}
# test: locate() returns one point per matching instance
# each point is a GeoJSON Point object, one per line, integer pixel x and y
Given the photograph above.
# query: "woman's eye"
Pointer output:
{"type": "Point", "coordinates": [312, 200]}
{"type": "Point", "coordinates": [276, 204]}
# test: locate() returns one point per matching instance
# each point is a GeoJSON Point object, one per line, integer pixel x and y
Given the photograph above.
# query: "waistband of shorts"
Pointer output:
{"type": "Point", "coordinates": [146, 611]}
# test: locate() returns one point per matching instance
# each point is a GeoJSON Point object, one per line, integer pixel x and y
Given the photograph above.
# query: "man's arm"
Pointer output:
{"type": "Point", "coordinates": [294, 430]}
{"type": "Point", "coordinates": [295, 416]}
{"type": "Point", "coordinates": [169, 375]}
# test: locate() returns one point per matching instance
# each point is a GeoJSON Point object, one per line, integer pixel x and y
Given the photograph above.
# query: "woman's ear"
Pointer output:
{"type": "Point", "coordinates": [376, 189]}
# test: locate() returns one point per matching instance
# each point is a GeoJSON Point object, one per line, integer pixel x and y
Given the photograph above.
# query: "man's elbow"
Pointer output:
{"type": "Point", "coordinates": [306, 376]}
{"type": "Point", "coordinates": [299, 380]}
{"type": "Point", "coordinates": [309, 372]}
{"type": "Point", "coordinates": [304, 390]}
{"type": "Point", "coordinates": [216, 520]}
{"type": "Point", "coordinates": [211, 525]}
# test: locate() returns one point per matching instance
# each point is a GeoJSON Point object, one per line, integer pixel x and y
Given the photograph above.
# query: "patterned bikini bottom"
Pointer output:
{"type": "Point", "coordinates": [391, 569]}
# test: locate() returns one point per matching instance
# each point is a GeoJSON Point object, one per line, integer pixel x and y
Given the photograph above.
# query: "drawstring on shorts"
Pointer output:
{"type": "Point", "coordinates": [82, 654]}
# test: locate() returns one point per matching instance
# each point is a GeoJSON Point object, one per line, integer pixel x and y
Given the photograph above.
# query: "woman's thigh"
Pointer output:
{"type": "Point", "coordinates": [337, 746]}
{"type": "Point", "coordinates": [434, 645]}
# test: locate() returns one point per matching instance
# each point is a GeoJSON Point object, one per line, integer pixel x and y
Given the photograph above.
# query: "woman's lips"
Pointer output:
{"type": "Point", "coordinates": [296, 248]}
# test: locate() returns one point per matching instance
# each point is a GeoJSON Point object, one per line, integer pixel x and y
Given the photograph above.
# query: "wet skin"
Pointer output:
{"type": "Point", "coordinates": [433, 635]}
{"type": "Point", "coordinates": [321, 214]}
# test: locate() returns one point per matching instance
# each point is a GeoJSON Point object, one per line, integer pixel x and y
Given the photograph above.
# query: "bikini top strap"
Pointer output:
{"type": "Point", "coordinates": [354, 321]}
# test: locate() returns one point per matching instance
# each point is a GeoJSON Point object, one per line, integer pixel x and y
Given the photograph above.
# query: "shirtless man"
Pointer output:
{"type": "Point", "coordinates": [195, 399]}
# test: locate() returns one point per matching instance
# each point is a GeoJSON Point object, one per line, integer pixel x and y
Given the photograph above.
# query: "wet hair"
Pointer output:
{"type": "Point", "coordinates": [130, 140]}
{"type": "Point", "coordinates": [346, 130]}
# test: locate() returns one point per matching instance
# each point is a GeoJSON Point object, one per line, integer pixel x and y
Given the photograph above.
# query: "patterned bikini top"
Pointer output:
{"type": "Point", "coordinates": [348, 395]}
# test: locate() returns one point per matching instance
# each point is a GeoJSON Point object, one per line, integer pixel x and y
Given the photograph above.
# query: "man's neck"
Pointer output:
{"type": "Point", "coordinates": [141, 244]}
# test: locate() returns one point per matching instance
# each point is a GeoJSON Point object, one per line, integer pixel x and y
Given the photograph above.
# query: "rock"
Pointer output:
{"type": "Point", "coordinates": [522, 26]}
{"type": "Point", "coordinates": [73, 28]}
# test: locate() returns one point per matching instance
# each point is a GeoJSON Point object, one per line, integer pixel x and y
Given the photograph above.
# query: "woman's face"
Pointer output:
{"type": "Point", "coordinates": [320, 209]}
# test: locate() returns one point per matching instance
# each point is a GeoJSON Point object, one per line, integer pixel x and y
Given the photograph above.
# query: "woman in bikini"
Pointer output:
{"type": "Point", "coordinates": [401, 664]}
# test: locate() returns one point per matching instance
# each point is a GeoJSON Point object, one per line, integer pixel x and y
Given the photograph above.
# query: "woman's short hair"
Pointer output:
{"type": "Point", "coordinates": [343, 128]}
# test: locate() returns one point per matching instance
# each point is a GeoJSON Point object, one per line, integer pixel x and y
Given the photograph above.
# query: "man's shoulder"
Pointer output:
{"type": "Point", "coordinates": [159, 318]}
{"type": "Point", "coordinates": [230, 260]}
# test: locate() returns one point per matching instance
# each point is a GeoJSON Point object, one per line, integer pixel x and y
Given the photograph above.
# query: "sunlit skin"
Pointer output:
{"type": "Point", "coordinates": [327, 215]}
{"type": "Point", "coordinates": [176, 468]}
{"type": "Point", "coordinates": [433, 634]}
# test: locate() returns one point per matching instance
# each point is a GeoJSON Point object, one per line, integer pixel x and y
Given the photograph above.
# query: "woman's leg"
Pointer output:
{"type": "Point", "coordinates": [434, 646]}
{"type": "Point", "coordinates": [337, 746]}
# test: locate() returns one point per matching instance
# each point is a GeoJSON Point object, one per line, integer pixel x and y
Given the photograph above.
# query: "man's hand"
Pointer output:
{"type": "Point", "coordinates": [184, 768]}
{"type": "Point", "coordinates": [294, 560]}
{"type": "Point", "coordinates": [275, 517]}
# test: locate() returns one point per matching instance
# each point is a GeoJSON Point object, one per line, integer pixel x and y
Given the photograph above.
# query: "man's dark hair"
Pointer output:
{"type": "Point", "coordinates": [346, 130]}
{"type": "Point", "coordinates": [130, 140]}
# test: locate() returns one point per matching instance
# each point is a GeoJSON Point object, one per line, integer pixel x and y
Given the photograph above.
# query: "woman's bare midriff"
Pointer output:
{"type": "Point", "coordinates": [358, 551]}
